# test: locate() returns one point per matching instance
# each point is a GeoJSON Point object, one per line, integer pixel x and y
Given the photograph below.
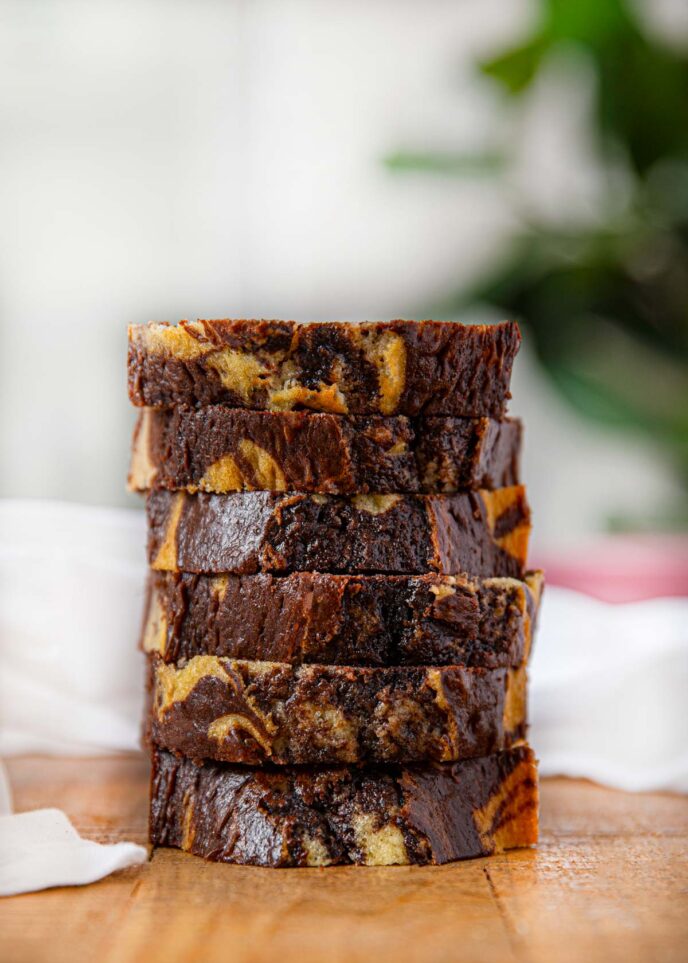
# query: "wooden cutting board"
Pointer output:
{"type": "Point", "coordinates": [609, 882]}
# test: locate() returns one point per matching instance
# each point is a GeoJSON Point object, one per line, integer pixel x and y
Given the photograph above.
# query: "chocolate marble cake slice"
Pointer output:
{"type": "Point", "coordinates": [217, 449]}
{"type": "Point", "coordinates": [255, 712]}
{"type": "Point", "coordinates": [371, 620]}
{"type": "Point", "coordinates": [378, 367]}
{"type": "Point", "coordinates": [482, 533]}
{"type": "Point", "coordinates": [322, 817]}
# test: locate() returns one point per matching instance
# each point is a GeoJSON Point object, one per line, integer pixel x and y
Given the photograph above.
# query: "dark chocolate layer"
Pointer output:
{"type": "Point", "coordinates": [371, 620]}
{"type": "Point", "coordinates": [253, 712]}
{"type": "Point", "coordinates": [291, 817]}
{"type": "Point", "coordinates": [217, 449]}
{"type": "Point", "coordinates": [482, 533]}
{"type": "Point", "coordinates": [386, 367]}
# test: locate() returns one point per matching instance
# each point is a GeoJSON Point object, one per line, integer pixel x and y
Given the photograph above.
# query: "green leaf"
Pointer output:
{"type": "Point", "coordinates": [481, 163]}
{"type": "Point", "coordinates": [642, 100]}
{"type": "Point", "coordinates": [588, 21]}
{"type": "Point", "coordinates": [516, 69]}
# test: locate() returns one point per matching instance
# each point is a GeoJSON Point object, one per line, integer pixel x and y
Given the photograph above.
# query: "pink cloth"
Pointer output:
{"type": "Point", "coordinates": [621, 568]}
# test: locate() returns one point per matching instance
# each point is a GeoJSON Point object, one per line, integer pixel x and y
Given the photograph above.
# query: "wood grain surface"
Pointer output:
{"type": "Point", "coordinates": [609, 882]}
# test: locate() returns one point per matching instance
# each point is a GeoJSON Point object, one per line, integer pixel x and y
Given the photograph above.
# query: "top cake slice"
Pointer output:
{"type": "Point", "coordinates": [375, 367]}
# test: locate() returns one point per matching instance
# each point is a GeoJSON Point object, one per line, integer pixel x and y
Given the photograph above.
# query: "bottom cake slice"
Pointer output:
{"type": "Point", "coordinates": [321, 817]}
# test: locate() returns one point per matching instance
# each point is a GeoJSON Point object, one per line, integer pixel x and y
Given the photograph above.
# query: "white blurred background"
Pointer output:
{"type": "Point", "coordinates": [174, 159]}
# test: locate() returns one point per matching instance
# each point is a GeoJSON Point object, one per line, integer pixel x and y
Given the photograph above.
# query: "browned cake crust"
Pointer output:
{"type": "Point", "coordinates": [378, 367]}
{"type": "Point", "coordinates": [218, 449]}
{"type": "Point", "coordinates": [321, 817]}
{"type": "Point", "coordinates": [342, 619]}
{"type": "Point", "coordinates": [255, 712]}
{"type": "Point", "coordinates": [481, 533]}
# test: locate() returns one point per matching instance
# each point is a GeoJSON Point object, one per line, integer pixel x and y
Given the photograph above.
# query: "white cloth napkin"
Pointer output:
{"type": "Point", "coordinates": [41, 849]}
{"type": "Point", "coordinates": [70, 676]}
{"type": "Point", "coordinates": [607, 698]}
{"type": "Point", "coordinates": [608, 691]}
{"type": "Point", "coordinates": [71, 591]}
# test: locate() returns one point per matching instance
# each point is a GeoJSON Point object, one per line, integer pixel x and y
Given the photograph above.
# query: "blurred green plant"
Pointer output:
{"type": "Point", "coordinates": [606, 306]}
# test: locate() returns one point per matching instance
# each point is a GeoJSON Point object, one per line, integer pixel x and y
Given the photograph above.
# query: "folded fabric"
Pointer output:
{"type": "Point", "coordinates": [71, 596]}
{"type": "Point", "coordinates": [608, 691]}
{"type": "Point", "coordinates": [41, 849]}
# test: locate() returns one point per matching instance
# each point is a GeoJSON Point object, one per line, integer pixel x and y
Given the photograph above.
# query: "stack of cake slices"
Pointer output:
{"type": "Point", "coordinates": [339, 612]}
